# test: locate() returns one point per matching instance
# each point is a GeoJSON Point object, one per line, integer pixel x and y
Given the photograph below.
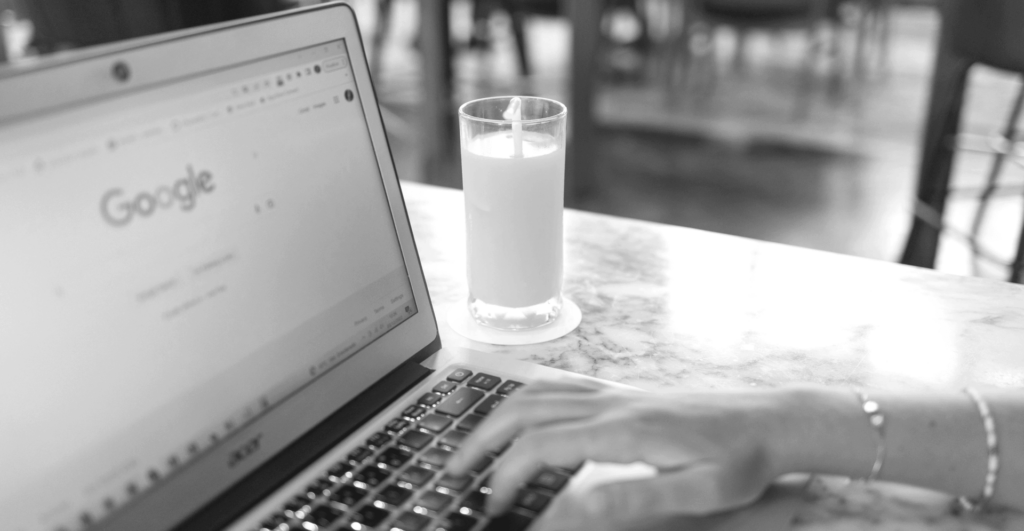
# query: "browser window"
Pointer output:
{"type": "Point", "coordinates": [164, 255]}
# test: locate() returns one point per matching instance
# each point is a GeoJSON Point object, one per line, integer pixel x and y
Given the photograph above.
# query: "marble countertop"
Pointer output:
{"type": "Point", "coordinates": [669, 307]}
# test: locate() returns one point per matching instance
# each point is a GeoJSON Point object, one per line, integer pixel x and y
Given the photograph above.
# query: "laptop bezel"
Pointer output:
{"type": "Point", "coordinates": [42, 87]}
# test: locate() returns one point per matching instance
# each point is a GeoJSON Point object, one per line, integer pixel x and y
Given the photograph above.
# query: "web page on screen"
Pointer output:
{"type": "Point", "coordinates": [164, 254]}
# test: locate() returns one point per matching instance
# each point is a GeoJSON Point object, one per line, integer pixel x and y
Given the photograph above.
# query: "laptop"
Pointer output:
{"type": "Point", "coordinates": [212, 311]}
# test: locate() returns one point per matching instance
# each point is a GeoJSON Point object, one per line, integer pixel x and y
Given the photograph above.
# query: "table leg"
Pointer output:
{"type": "Point", "coordinates": [586, 19]}
{"type": "Point", "coordinates": [436, 130]}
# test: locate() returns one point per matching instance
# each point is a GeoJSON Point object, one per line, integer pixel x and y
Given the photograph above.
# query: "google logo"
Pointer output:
{"type": "Point", "coordinates": [119, 210]}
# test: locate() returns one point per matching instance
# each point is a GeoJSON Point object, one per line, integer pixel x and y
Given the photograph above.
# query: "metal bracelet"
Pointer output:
{"type": "Point", "coordinates": [877, 420]}
{"type": "Point", "coordinates": [963, 503]}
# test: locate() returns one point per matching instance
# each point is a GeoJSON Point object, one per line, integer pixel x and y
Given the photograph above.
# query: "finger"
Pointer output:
{"type": "Point", "coordinates": [559, 445]}
{"type": "Point", "coordinates": [566, 385]}
{"type": "Point", "coordinates": [517, 414]}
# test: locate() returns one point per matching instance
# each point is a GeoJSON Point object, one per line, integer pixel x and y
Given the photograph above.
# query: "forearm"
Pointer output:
{"type": "Point", "coordinates": [934, 440]}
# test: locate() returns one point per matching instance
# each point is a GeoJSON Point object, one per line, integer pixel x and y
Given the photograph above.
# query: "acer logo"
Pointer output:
{"type": "Point", "coordinates": [119, 209]}
{"type": "Point", "coordinates": [242, 452]}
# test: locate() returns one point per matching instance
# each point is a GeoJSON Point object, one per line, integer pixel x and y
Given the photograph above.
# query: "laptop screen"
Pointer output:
{"type": "Point", "coordinates": [167, 256]}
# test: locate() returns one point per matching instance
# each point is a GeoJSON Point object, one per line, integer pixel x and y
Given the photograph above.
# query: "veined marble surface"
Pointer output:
{"type": "Point", "coordinates": [669, 307]}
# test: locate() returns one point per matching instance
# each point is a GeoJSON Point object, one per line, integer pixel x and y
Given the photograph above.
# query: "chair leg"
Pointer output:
{"type": "Point", "coordinates": [519, 33]}
{"type": "Point", "coordinates": [937, 156]}
{"type": "Point", "coordinates": [1009, 133]}
{"type": "Point", "coordinates": [1018, 263]}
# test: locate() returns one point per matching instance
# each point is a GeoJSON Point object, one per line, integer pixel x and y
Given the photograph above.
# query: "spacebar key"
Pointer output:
{"type": "Point", "coordinates": [459, 402]}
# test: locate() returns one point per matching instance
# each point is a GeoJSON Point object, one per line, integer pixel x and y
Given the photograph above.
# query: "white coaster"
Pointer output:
{"type": "Point", "coordinates": [464, 324]}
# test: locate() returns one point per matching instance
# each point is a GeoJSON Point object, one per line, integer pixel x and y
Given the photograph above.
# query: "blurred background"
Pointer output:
{"type": "Point", "coordinates": [829, 124]}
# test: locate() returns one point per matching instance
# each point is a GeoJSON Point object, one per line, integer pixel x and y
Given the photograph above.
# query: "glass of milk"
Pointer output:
{"type": "Point", "coordinates": [513, 175]}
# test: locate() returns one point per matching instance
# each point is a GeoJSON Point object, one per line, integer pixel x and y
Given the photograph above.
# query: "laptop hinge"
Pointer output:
{"type": "Point", "coordinates": [427, 351]}
{"type": "Point", "coordinates": [279, 469]}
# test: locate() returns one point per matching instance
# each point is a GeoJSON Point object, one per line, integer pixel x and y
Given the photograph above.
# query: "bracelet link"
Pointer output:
{"type": "Point", "coordinates": [988, 491]}
{"type": "Point", "coordinates": [873, 410]}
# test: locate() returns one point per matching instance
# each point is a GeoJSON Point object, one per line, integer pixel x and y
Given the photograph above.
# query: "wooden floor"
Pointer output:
{"type": "Point", "coordinates": [741, 158]}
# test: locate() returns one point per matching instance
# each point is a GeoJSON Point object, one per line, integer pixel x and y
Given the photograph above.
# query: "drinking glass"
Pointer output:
{"type": "Point", "coordinates": [513, 175]}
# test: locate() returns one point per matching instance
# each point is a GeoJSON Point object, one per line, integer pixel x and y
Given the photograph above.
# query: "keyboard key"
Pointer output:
{"type": "Point", "coordinates": [348, 495]}
{"type": "Point", "coordinates": [444, 388]}
{"type": "Point", "coordinates": [485, 485]}
{"type": "Point", "coordinates": [435, 501]}
{"type": "Point", "coordinates": [490, 404]}
{"type": "Point", "coordinates": [394, 495]}
{"type": "Point", "coordinates": [453, 439]}
{"type": "Point", "coordinates": [339, 470]}
{"type": "Point", "coordinates": [454, 483]}
{"type": "Point", "coordinates": [459, 402]}
{"type": "Point", "coordinates": [394, 457]}
{"type": "Point", "coordinates": [570, 470]}
{"type": "Point", "coordinates": [429, 399]}
{"type": "Point", "coordinates": [482, 464]}
{"type": "Point", "coordinates": [413, 412]}
{"type": "Point", "coordinates": [415, 439]}
{"type": "Point", "coordinates": [378, 440]}
{"type": "Point", "coordinates": [410, 521]}
{"type": "Point", "coordinates": [549, 479]}
{"type": "Point", "coordinates": [435, 423]}
{"type": "Point", "coordinates": [475, 502]}
{"type": "Point", "coordinates": [459, 375]}
{"type": "Point", "coordinates": [371, 516]}
{"type": "Point", "coordinates": [436, 457]}
{"type": "Point", "coordinates": [509, 387]}
{"type": "Point", "coordinates": [279, 518]}
{"type": "Point", "coordinates": [372, 476]}
{"type": "Point", "coordinates": [297, 508]}
{"type": "Point", "coordinates": [458, 522]}
{"type": "Point", "coordinates": [484, 381]}
{"type": "Point", "coordinates": [416, 476]}
{"type": "Point", "coordinates": [469, 423]}
{"type": "Point", "coordinates": [397, 425]}
{"type": "Point", "coordinates": [359, 454]}
{"type": "Point", "coordinates": [508, 522]}
{"type": "Point", "coordinates": [321, 487]}
{"type": "Point", "coordinates": [532, 500]}
{"type": "Point", "coordinates": [324, 515]}
{"type": "Point", "coordinates": [501, 449]}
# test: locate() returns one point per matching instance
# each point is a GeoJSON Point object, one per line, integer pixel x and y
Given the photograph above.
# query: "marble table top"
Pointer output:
{"type": "Point", "coordinates": [669, 307]}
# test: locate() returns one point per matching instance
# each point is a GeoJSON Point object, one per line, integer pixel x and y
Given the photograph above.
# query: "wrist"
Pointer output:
{"type": "Point", "coordinates": [786, 417]}
{"type": "Point", "coordinates": [819, 431]}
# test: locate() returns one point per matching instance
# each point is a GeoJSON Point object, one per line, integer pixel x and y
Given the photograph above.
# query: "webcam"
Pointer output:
{"type": "Point", "coordinates": [120, 71]}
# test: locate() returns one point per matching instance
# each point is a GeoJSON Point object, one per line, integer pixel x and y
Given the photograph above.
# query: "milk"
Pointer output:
{"type": "Point", "coordinates": [514, 218]}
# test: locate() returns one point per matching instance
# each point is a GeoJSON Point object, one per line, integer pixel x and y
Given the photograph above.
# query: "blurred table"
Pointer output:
{"type": "Point", "coordinates": [437, 130]}
{"type": "Point", "coordinates": [669, 307]}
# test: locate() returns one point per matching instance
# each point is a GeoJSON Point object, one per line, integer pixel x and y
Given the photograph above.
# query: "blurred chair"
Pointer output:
{"type": "Point", "coordinates": [702, 17]}
{"type": "Point", "coordinates": [518, 11]}
{"type": "Point", "coordinates": [973, 31]}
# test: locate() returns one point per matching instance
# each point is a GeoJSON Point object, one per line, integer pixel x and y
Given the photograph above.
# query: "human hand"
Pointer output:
{"type": "Point", "coordinates": [711, 449]}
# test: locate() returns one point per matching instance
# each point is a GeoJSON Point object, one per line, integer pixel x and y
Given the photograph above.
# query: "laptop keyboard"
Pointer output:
{"type": "Point", "coordinates": [396, 479]}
